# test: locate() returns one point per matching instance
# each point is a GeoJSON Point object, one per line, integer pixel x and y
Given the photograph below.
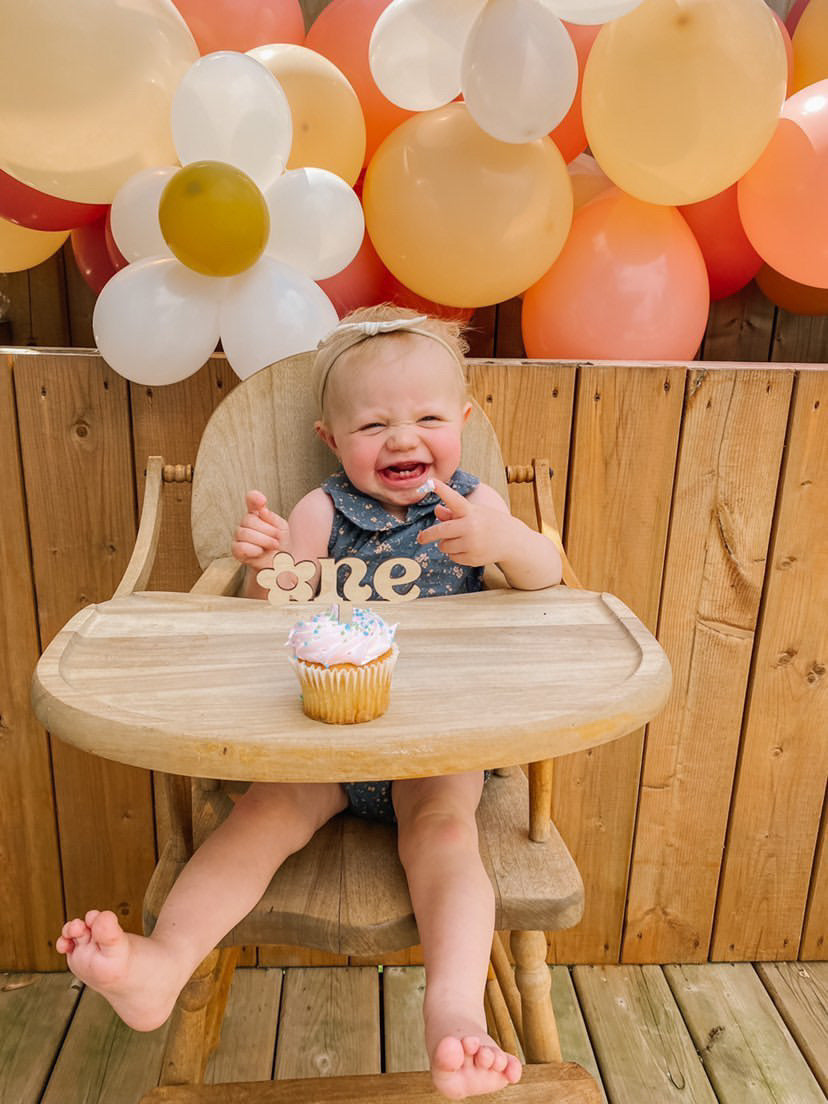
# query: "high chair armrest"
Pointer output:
{"type": "Point", "coordinates": [146, 542]}
{"type": "Point", "coordinates": [222, 576]}
{"type": "Point", "coordinates": [539, 474]}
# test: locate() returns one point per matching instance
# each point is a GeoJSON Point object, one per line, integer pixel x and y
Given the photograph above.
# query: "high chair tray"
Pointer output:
{"type": "Point", "coordinates": [200, 685]}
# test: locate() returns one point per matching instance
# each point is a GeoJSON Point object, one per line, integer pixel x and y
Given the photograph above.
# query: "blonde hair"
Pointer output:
{"type": "Point", "coordinates": [382, 321]}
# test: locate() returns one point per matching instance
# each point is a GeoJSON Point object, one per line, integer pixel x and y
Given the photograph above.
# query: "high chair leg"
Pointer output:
{"type": "Point", "coordinates": [225, 969]}
{"type": "Point", "coordinates": [186, 1053]}
{"type": "Point", "coordinates": [540, 1032]}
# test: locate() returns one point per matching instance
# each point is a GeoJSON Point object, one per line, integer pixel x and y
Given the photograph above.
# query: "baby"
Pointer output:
{"type": "Point", "coordinates": [392, 401]}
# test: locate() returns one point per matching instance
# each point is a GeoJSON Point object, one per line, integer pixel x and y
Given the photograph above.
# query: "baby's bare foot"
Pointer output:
{"type": "Point", "coordinates": [134, 974]}
{"type": "Point", "coordinates": [471, 1065]}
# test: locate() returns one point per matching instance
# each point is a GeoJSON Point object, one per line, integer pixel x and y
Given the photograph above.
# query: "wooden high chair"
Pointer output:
{"type": "Point", "coordinates": [261, 436]}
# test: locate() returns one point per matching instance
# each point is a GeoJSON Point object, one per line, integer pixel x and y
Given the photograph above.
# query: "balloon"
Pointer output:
{"type": "Point", "coordinates": [88, 92]}
{"type": "Point", "coordinates": [794, 15]}
{"type": "Point", "coordinates": [416, 49]}
{"type": "Point", "coordinates": [271, 312]}
{"type": "Point", "coordinates": [569, 135]}
{"type": "Point", "coordinates": [461, 218]}
{"type": "Point", "coordinates": [362, 283]}
{"type": "Point", "coordinates": [90, 253]}
{"type": "Point", "coordinates": [134, 214]}
{"type": "Point", "coordinates": [681, 96]}
{"type": "Point", "coordinates": [731, 260]}
{"type": "Point", "coordinates": [156, 322]}
{"type": "Point", "coordinates": [591, 11]}
{"type": "Point", "coordinates": [22, 248]}
{"type": "Point", "coordinates": [341, 32]}
{"type": "Point", "coordinates": [782, 198]}
{"type": "Point", "coordinates": [117, 258]}
{"type": "Point", "coordinates": [789, 57]}
{"type": "Point", "coordinates": [242, 24]}
{"type": "Point", "coordinates": [588, 179]}
{"type": "Point", "coordinates": [790, 295]}
{"type": "Point", "coordinates": [328, 127]}
{"type": "Point", "coordinates": [405, 297]}
{"type": "Point", "coordinates": [316, 222]}
{"type": "Point", "coordinates": [630, 284]}
{"type": "Point", "coordinates": [214, 218]}
{"type": "Point", "coordinates": [810, 45]}
{"type": "Point", "coordinates": [229, 108]}
{"type": "Point", "coordinates": [27, 207]}
{"type": "Point", "coordinates": [520, 70]}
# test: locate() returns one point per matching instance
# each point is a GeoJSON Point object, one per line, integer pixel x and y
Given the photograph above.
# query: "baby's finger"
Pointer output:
{"type": "Point", "coordinates": [254, 501]}
{"type": "Point", "coordinates": [442, 531]}
{"type": "Point", "coordinates": [247, 553]}
{"type": "Point", "coordinates": [258, 537]}
{"type": "Point", "coordinates": [458, 505]}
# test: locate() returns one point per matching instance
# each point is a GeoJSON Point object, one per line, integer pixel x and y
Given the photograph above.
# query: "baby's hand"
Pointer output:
{"type": "Point", "coordinates": [260, 534]}
{"type": "Point", "coordinates": [469, 533]}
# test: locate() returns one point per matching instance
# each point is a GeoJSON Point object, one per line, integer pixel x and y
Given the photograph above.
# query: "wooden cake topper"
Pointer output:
{"type": "Point", "coordinates": [388, 576]}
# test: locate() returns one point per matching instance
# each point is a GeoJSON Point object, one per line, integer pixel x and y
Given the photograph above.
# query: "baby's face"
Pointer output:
{"type": "Point", "coordinates": [395, 418]}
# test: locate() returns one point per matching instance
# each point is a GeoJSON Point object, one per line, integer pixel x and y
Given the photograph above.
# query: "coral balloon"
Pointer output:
{"type": "Point", "coordinates": [242, 24]}
{"type": "Point", "coordinates": [681, 96]}
{"type": "Point", "coordinates": [92, 85]}
{"type": "Point", "coordinates": [569, 135]}
{"type": "Point", "coordinates": [91, 255]}
{"type": "Point", "coordinates": [794, 15]}
{"type": "Point", "coordinates": [630, 284]}
{"type": "Point", "coordinates": [341, 32]}
{"type": "Point", "coordinates": [790, 295]}
{"type": "Point", "coordinates": [214, 218]}
{"type": "Point", "coordinates": [810, 45]}
{"type": "Point", "coordinates": [28, 207]}
{"type": "Point", "coordinates": [731, 260]}
{"type": "Point", "coordinates": [461, 218]}
{"type": "Point", "coordinates": [782, 198]}
{"type": "Point", "coordinates": [405, 297]}
{"type": "Point", "coordinates": [362, 283]}
{"type": "Point", "coordinates": [328, 126]}
{"type": "Point", "coordinates": [22, 248]}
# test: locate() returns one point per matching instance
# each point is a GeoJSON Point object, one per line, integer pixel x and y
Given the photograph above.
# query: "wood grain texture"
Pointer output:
{"type": "Point", "coordinates": [247, 1046]}
{"type": "Point", "coordinates": [35, 1011]}
{"type": "Point", "coordinates": [403, 989]}
{"type": "Point", "coordinates": [799, 990]}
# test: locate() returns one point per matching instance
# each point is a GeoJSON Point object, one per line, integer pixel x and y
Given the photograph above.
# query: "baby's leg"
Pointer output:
{"type": "Point", "coordinates": [142, 977]}
{"type": "Point", "coordinates": [454, 905]}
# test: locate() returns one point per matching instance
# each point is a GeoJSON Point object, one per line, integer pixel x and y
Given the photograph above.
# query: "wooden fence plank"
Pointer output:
{"type": "Point", "coordinates": [800, 992]}
{"type": "Point", "coordinates": [625, 441]}
{"type": "Point", "coordinates": [35, 1010]}
{"type": "Point", "coordinates": [248, 1031]}
{"type": "Point", "coordinates": [31, 898]}
{"type": "Point", "coordinates": [815, 932]}
{"type": "Point", "coordinates": [780, 784]}
{"type": "Point", "coordinates": [47, 296]}
{"type": "Point", "coordinates": [710, 603]}
{"type": "Point", "coordinates": [800, 339]}
{"type": "Point", "coordinates": [746, 1048]}
{"type": "Point", "coordinates": [79, 490]}
{"type": "Point", "coordinates": [739, 327]}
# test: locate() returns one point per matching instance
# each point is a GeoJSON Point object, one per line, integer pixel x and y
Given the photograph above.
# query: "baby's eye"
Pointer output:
{"type": "Point", "coordinates": [431, 418]}
{"type": "Point", "coordinates": [371, 427]}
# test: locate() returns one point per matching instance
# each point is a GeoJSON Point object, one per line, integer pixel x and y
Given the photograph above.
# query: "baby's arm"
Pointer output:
{"type": "Point", "coordinates": [479, 530]}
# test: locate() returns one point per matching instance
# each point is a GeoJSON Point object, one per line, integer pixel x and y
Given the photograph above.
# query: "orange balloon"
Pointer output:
{"type": "Point", "coordinates": [789, 54]}
{"type": "Point", "coordinates": [362, 283]}
{"type": "Point", "coordinates": [810, 45]}
{"type": "Point", "coordinates": [341, 32]}
{"type": "Point", "coordinates": [242, 24]}
{"type": "Point", "coordinates": [731, 260]}
{"type": "Point", "coordinates": [630, 284]}
{"type": "Point", "coordinates": [461, 218]}
{"type": "Point", "coordinates": [782, 196]}
{"type": "Point", "coordinates": [790, 295]}
{"type": "Point", "coordinates": [569, 135]}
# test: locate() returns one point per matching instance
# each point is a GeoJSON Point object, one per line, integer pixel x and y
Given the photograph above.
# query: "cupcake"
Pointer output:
{"type": "Point", "coordinates": [344, 668]}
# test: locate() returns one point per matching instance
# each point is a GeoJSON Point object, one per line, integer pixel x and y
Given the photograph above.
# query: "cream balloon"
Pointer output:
{"type": "Point", "coordinates": [681, 96]}
{"type": "Point", "coordinates": [590, 11]}
{"type": "Point", "coordinates": [416, 49]}
{"type": "Point", "coordinates": [229, 108]}
{"type": "Point", "coordinates": [271, 312]}
{"type": "Point", "coordinates": [88, 91]}
{"type": "Point", "coordinates": [22, 248]}
{"type": "Point", "coordinates": [328, 125]}
{"type": "Point", "coordinates": [519, 72]}
{"type": "Point", "coordinates": [134, 214]}
{"type": "Point", "coordinates": [316, 222]}
{"type": "Point", "coordinates": [156, 322]}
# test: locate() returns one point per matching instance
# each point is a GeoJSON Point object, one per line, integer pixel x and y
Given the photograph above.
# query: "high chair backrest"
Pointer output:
{"type": "Point", "coordinates": [261, 436]}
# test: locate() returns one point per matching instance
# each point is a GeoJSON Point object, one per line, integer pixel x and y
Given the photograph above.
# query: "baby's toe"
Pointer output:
{"type": "Point", "coordinates": [77, 931]}
{"type": "Point", "coordinates": [105, 928]}
{"type": "Point", "coordinates": [500, 1060]}
{"type": "Point", "coordinates": [484, 1058]}
{"type": "Point", "coordinates": [448, 1055]}
{"type": "Point", "coordinates": [513, 1069]}
{"type": "Point", "coordinates": [471, 1045]}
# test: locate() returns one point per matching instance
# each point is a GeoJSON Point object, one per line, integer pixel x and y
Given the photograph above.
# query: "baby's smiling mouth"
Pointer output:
{"type": "Point", "coordinates": [404, 473]}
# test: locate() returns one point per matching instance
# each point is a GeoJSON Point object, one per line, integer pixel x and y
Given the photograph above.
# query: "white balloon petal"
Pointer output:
{"type": "Point", "coordinates": [316, 222]}
{"type": "Point", "coordinates": [520, 70]}
{"type": "Point", "coordinates": [134, 216]}
{"type": "Point", "coordinates": [229, 107]}
{"type": "Point", "coordinates": [416, 49]}
{"type": "Point", "coordinates": [156, 322]}
{"type": "Point", "coordinates": [590, 12]}
{"type": "Point", "coordinates": [272, 311]}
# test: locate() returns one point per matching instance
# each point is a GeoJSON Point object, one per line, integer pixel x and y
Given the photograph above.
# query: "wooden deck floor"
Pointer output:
{"type": "Point", "coordinates": [732, 1034]}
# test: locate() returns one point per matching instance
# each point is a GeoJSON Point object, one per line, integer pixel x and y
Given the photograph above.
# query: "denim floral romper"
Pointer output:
{"type": "Point", "coordinates": [363, 527]}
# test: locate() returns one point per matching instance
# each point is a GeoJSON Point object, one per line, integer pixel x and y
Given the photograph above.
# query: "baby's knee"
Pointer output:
{"type": "Point", "coordinates": [433, 830]}
{"type": "Point", "coordinates": [293, 810]}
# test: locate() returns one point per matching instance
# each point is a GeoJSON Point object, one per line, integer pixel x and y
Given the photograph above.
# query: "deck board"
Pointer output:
{"type": "Point", "coordinates": [35, 1011]}
{"type": "Point", "coordinates": [800, 992]}
{"type": "Point", "coordinates": [248, 1032]}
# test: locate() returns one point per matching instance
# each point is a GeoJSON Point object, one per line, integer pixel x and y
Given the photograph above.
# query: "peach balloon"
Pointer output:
{"type": "Point", "coordinates": [810, 45]}
{"type": "Point", "coordinates": [681, 96]}
{"type": "Point", "coordinates": [328, 127]}
{"type": "Point", "coordinates": [731, 260]}
{"type": "Point", "coordinates": [461, 218]}
{"type": "Point", "coordinates": [782, 198]}
{"type": "Point", "coordinates": [569, 135]}
{"type": "Point", "coordinates": [341, 33]}
{"type": "Point", "coordinates": [242, 24]}
{"type": "Point", "coordinates": [789, 54]}
{"type": "Point", "coordinates": [22, 248]}
{"type": "Point", "coordinates": [630, 284]}
{"type": "Point", "coordinates": [588, 179]}
{"type": "Point", "coordinates": [790, 295]}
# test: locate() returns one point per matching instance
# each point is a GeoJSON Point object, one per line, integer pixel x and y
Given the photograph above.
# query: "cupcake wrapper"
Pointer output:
{"type": "Point", "coordinates": [346, 694]}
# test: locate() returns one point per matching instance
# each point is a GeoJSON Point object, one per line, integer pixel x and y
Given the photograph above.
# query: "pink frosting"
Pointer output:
{"type": "Point", "coordinates": [325, 639]}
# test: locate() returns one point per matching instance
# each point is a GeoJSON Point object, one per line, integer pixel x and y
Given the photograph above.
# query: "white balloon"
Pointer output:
{"type": "Point", "coordinates": [520, 70]}
{"type": "Point", "coordinates": [230, 108]}
{"type": "Point", "coordinates": [269, 312]}
{"type": "Point", "coordinates": [416, 47]}
{"type": "Point", "coordinates": [316, 222]}
{"type": "Point", "coordinates": [134, 215]}
{"type": "Point", "coordinates": [590, 11]}
{"type": "Point", "coordinates": [157, 322]}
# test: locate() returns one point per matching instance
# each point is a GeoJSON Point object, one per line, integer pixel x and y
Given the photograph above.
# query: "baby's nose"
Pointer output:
{"type": "Point", "coordinates": [402, 436]}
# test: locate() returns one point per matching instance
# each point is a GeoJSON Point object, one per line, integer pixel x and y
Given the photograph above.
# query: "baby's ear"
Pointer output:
{"type": "Point", "coordinates": [323, 432]}
{"type": "Point", "coordinates": [467, 409]}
